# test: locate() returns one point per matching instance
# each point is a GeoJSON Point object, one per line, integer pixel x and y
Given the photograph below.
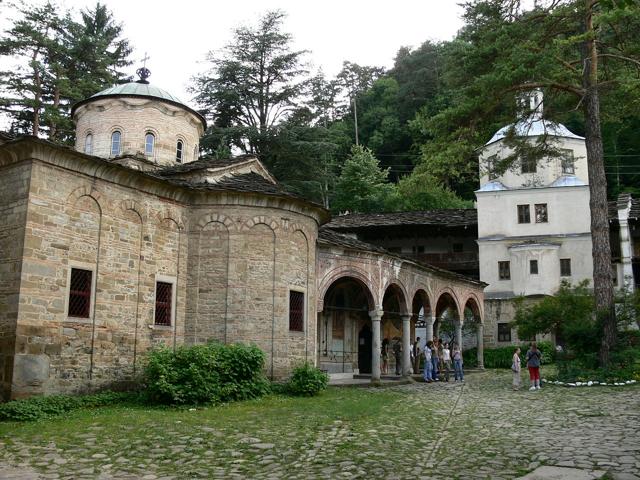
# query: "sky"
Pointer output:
{"type": "Point", "coordinates": [177, 35]}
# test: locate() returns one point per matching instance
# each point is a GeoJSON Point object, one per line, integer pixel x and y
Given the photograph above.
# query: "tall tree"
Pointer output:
{"type": "Point", "coordinates": [58, 61]}
{"type": "Point", "coordinates": [35, 39]}
{"type": "Point", "coordinates": [574, 50]}
{"type": "Point", "coordinates": [254, 83]}
{"type": "Point", "coordinates": [362, 186]}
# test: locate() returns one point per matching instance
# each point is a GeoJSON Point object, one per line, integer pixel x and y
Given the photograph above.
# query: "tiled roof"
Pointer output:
{"type": "Point", "coordinates": [455, 217]}
{"type": "Point", "coordinates": [327, 235]}
{"type": "Point", "coordinates": [202, 164]}
{"type": "Point", "coordinates": [246, 182]}
{"type": "Point", "coordinates": [633, 213]}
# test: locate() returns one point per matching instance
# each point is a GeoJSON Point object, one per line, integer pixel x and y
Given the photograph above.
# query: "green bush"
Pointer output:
{"type": "Point", "coordinates": [36, 408]}
{"type": "Point", "coordinates": [307, 381]}
{"type": "Point", "coordinates": [205, 374]}
{"type": "Point", "coordinates": [502, 357]}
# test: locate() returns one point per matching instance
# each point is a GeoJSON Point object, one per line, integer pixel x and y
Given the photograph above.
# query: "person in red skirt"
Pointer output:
{"type": "Point", "coordinates": [533, 364]}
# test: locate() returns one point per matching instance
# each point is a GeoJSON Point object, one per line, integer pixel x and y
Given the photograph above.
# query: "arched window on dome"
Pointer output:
{"type": "Point", "coordinates": [116, 138]}
{"type": "Point", "coordinates": [149, 143]}
{"type": "Point", "coordinates": [179, 150]}
{"type": "Point", "coordinates": [88, 144]}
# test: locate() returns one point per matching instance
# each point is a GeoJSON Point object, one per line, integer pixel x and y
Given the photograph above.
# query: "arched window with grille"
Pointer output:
{"type": "Point", "coordinates": [149, 143]}
{"type": "Point", "coordinates": [179, 150]}
{"type": "Point", "coordinates": [116, 139]}
{"type": "Point", "coordinates": [88, 144]}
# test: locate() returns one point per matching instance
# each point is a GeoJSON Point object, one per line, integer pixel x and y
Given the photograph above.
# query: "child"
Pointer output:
{"type": "Point", "coordinates": [515, 368]}
{"type": "Point", "coordinates": [533, 364]}
{"type": "Point", "coordinates": [457, 363]}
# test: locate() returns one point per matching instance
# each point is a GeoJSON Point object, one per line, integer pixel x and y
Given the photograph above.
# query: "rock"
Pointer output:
{"type": "Point", "coordinates": [263, 446]}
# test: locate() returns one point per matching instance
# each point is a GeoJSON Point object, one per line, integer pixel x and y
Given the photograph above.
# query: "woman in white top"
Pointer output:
{"type": "Point", "coordinates": [446, 360]}
{"type": "Point", "coordinates": [515, 368]}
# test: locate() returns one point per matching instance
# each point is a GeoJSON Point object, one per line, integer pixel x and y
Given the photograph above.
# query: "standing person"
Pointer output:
{"type": "Point", "coordinates": [457, 363]}
{"type": "Point", "coordinates": [428, 366]}
{"type": "Point", "coordinates": [384, 352]}
{"type": "Point", "coordinates": [434, 358]}
{"type": "Point", "coordinates": [515, 368]}
{"type": "Point", "coordinates": [440, 353]}
{"type": "Point", "coordinates": [533, 364]}
{"type": "Point", "coordinates": [416, 355]}
{"type": "Point", "coordinates": [446, 360]}
{"type": "Point", "coordinates": [397, 354]}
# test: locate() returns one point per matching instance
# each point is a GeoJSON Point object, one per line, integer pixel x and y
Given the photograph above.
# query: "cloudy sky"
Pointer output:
{"type": "Point", "coordinates": [177, 35]}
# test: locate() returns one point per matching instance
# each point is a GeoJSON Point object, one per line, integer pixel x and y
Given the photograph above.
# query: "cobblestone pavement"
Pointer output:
{"type": "Point", "coordinates": [477, 430]}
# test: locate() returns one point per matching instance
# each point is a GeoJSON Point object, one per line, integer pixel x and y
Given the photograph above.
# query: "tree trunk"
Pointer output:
{"type": "Point", "coordinates": [37, 97]}
{"type": "Point", "coordinates": [602, 274]}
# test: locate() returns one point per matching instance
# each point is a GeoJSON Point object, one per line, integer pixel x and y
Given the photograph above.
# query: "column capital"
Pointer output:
{"type": "Point", "coordinates": [376, 315]}
{"type": "Point", "coordinates": [406, 317]}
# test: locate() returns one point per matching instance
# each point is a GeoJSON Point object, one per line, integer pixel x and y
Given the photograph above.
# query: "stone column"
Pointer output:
{"type": "Point", "coordinates": [376, 316]}
{"type": "Point", "coordinates": [480, 345]}
{"type": "Point", "coordinates": [458, 325]}
{"type": "Point", "coordinates": [406, 345]}
{"type": "Point", "coordinates": [429, 321]}
{"type": "Point", "coordinates": [626, 249]}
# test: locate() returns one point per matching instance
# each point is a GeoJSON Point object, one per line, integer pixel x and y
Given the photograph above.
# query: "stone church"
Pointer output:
{"type": "Point", "coordinates": [130, 241]}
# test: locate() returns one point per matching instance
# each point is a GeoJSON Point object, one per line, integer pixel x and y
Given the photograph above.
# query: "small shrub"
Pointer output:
{"type": "Point", "coordinates": [307, 381]}
{"type": "Point", "coordinates": [502, 357]}
{"type": "Point", "coordinates": [36, 408]}
{"type": "Point", "coordinates": [205, 374]}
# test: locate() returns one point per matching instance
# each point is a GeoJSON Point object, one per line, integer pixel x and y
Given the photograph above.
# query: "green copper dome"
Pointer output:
{"type": "Point", "coordinates": [138, 89]}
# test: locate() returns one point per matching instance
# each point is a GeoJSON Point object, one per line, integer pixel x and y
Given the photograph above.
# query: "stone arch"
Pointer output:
{"type": "Point", "coordinates": [215, 217]}
{"type": "Point", "coordinates": [472, 303]}
{"type": "Point", "coordinates": [396, 288]}
{"type": "Point", "coordinates": [421, 299]}
{"type": "Point", "coordinates": [336, 274]}
{"type": "Point", "coordinates": [442, 295]}
{"type": "Point", "coordinates": [172, 216]}
{"type": "Point", "coordinates": [260, 219]}
{"type": "Point", "coordinates": [85, 191]}
{"type": "Point", "coordinates": [134, 206]}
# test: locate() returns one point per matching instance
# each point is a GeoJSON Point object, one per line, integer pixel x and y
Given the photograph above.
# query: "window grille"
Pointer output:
{"type": "Point", "coordinates": [533, 267]}
{"type": "Point", "coordinates": [504, 271]}
{"type": "Point", "coordinates": [541, 213]}
{"type": "Point", "coordinates": [565, 267]}
{"type": "Point", "coordinates": [80, 293]}
{"type": "Point", "coordinates": [296, 311]}
{"type": "Point", "coordinates": [164, 297]}
{"type": "Point", "coordinates": [524, 214]}
{"type": "Point", "coordinates": [504, 332]}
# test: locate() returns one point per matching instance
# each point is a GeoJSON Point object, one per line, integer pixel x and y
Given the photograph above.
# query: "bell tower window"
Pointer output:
{"type": "Point", "coordinates": [149, 143]}
{"type": "Point", "coordinates": [179, 149]}
{"type": "Point", "coordinates": [88, 144]}
{"type": "Point", "coordinates": [116, 138]}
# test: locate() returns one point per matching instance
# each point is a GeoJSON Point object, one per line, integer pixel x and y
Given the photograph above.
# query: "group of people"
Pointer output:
{"type": "Point", "coordinates": [437, 360]}
{"type": "Point", "coordinates": [532, 359]}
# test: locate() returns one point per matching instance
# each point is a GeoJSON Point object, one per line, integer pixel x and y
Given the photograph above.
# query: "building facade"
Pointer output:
{"type": "Point", "coordinates": [128, 242]}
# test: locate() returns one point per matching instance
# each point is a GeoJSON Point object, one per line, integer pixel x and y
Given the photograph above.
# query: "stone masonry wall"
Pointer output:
{"type": "Point", "coordinates": [13, 211]}
{"type": "Point", "coordinates": [126, 238]}
{"type": "Point", "coordinates": [134, 117]}
{"type": "Point", "coordinates": [243, 261]}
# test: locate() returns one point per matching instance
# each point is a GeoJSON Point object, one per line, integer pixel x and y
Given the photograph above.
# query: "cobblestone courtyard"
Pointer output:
{"type": "Point", "coordinates": [477, 430]}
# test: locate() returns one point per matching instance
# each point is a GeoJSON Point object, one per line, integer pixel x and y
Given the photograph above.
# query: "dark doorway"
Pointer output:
{"type": "Point", "coordinates": [364, 350]}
